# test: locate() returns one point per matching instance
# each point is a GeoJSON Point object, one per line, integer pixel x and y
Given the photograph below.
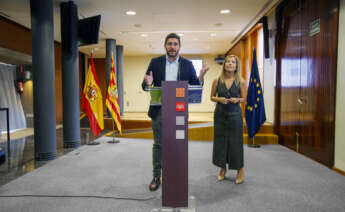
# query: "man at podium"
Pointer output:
{"type": "Point", "coordinates": [168, 67]}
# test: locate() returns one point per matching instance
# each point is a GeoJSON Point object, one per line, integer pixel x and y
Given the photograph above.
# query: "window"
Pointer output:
{"type": "Point", "coordinates": [197, 63]}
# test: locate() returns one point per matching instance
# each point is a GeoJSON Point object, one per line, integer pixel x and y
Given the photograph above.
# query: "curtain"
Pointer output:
{"type": "Point", "coordinates": [11, 99]}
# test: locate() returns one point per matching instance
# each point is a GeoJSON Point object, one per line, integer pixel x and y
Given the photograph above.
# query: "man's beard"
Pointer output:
{"type": "Point", "coordinates": [172, 53]}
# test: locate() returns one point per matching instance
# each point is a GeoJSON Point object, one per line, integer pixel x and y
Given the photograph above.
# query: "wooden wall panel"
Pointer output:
{"type": "Point", "coordinates": [58, 83]}
{"type": "Point", "coordinates": [290, 76]}
{"type": "Point", "coordinates": [18, 38]}
{"type": "Point", "coordinates": [244, 50]}
{"type": "Point", "coordinates": [318, 67]}
{"type": "Point", "coordinates": [236, 50]}
{"type": "Point", "coordinates": [306, 76]}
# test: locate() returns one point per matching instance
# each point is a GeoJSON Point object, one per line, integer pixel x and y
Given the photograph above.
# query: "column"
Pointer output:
{"type": "Point", "coordinates": [70, 74]}
{"type": "Point", "coordinates": [119, 75]}
{"type": "Point", "coordinates": [42, 27]}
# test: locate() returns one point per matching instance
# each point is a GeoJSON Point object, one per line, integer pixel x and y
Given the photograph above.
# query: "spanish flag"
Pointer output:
{"type": "Point", "coordinates": [112, 101]}
{"type": "Point", "coordinates": [92, 100]}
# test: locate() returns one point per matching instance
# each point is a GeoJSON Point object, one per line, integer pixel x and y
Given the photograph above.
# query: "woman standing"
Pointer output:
{"type": "Point", "coordinates": [228, 92]}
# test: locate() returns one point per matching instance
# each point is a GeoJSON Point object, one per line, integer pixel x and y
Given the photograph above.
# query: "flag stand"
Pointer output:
{"type": "Point", "coordinates": [253, 144]}
{"type": "Point", "coordinates": [93, 143]}
{"type": "Point", "coordinates": [113, 141]}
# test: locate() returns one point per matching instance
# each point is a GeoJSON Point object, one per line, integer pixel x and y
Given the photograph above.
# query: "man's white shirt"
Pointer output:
{"type": "Point", "coordinates": [171, 69]}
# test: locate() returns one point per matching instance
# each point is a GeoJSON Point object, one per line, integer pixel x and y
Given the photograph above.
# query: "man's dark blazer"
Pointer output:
{"type": "Point", "coordinates": [186, 72]}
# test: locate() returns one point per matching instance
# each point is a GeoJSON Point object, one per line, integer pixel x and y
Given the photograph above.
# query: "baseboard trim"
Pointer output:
{"type": "Point", "coordinates": [339, 170]}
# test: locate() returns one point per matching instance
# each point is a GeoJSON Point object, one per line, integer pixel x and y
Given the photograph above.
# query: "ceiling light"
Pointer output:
{"type": "Point", "coordinates": [213, 34]}
{"type": "Point", "coordinates": [144, 35]}
{"type": "Point", "coordinates": [225, 11]}
{"type": "Point", "coordinates": [130, 12]}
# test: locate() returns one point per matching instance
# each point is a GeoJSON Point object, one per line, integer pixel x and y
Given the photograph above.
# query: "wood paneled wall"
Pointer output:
{"type": "Point", "coordinates": [306, 76]}
{"type": "Point", "coordinates": [244, 50]}
{"type": "Point", "coordinates": [18, 38]}
{"type": "Point", "coordinates": [58, 82]}
{"type": "Point", "coordinates": [15, 37]}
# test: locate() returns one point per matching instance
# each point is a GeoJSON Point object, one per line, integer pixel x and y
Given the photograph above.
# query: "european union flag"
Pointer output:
{"type": "Point", "coordinates": [255, 109]}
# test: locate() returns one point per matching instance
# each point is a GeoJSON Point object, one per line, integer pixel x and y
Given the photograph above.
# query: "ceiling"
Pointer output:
{"type": "Point", "coordinates": [197, 20]}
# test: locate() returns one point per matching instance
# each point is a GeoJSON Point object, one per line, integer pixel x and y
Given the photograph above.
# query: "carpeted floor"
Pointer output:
{"type": "Point", "coordinates": [276, 179]}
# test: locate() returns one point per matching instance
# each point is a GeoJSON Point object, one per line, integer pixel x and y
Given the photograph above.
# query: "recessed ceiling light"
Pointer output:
{"type": "Point", "coordinates": [130, 12]}
{"type": "Point", "coordinates": [144, 35]}
{"type": "Point", "coordinates": [213, 34]}
{"type": "Point", "coordinates": [225, 11]}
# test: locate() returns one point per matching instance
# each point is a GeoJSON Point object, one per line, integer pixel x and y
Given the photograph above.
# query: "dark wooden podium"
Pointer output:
{"type": "Point", "coordinates": [175, 144]}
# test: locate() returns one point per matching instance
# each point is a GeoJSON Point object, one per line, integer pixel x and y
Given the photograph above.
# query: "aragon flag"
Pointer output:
{"type": "Point", "coordinates": [255, 108]}
{"type": "Point", "coordinates": [92, 100]}
{"type": "Point", "coordinates": [112, 101]}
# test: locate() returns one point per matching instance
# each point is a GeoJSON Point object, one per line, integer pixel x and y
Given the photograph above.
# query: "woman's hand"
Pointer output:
{"type": "Point", "coordinates": [234, 100]}
{"type": "Point", "coordinates": [223, 100]}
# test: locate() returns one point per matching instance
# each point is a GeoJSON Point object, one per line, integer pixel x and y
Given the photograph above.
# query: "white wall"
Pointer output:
{"type": "Point", "coordinates": [269, 73]}
{"type": "Point", "coordinates": [137, 100]}
{"type": "Point", "coordinates": [340, 96]}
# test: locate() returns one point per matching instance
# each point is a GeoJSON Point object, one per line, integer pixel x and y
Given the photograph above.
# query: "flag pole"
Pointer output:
{"type": "Point", "coordinates": [253, 144]}
{"type": "Point", "coordinates": [255, 110]}
{"type": "Point", "coordinates": [113, 141]}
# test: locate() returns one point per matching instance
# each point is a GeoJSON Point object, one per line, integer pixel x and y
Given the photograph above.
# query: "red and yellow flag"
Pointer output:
{"type": "Point", "coordinates": [92, 100]}
{"type": "Point", "coordinates": [112, 101]}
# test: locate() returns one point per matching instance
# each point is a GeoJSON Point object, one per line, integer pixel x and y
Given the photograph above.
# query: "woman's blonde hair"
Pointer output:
{"type": "Point", "coordinates": [238, 77]}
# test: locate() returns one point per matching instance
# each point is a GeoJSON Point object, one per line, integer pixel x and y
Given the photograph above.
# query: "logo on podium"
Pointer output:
{"type": "Point", "coordinates": [180, 106]}
{"type": "Point", "coordinates": [179, 92]}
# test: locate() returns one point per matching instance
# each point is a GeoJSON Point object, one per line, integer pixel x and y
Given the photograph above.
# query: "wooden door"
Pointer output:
{"type": "Point", "coordinates": [307, 95]}
{"type": "Point", "coordinates": [318, 79]}
{"type": "Point", "coordinates": [289, 75]}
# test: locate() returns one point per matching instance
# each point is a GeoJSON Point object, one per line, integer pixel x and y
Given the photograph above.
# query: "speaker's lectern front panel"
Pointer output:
{"type": "Point", "coordinates": [175, 144]}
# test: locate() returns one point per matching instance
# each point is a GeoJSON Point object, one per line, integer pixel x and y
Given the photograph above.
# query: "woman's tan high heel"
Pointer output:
{"type": "Point", "coordinates": [221, 175]}
{"type": "Point", "coordinates": [240, 177]}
